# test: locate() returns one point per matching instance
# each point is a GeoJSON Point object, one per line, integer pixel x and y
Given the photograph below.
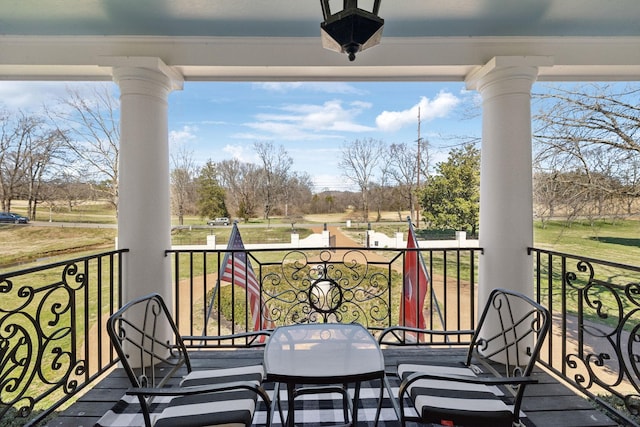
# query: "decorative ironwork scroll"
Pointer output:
{"type": "Point", "coordinates": [331, 287]}
{"type": "Point", "coordinates": [608, 338]}
{"type": "Point", "coordinates": [595, 338]}
{"type": "Point", "coordinates": [44, 348]}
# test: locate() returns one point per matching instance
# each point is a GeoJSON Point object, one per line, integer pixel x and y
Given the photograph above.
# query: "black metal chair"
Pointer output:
{"type": "Point", "coordinates": [487, 388]}
{"type": "Point", "coordinates": [151, 361]}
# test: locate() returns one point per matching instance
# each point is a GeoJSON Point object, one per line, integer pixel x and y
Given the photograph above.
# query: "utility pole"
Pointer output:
{"type": "Point", "coordinates": [418, 174]}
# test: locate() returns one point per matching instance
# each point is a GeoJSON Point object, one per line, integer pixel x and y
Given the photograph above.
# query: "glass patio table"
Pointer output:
{"type": "Point", "coordinates": [321, 358]}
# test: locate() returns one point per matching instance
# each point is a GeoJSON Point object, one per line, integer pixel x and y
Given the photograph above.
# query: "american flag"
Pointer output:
{"type": "Point", "coordinates": [237, 270]}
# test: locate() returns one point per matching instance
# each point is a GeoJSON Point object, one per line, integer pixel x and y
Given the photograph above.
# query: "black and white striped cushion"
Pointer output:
{"type": "Point", "coordinates": [226, 375]}
{"type": "Point", "coordinates": [230, 408]}
{"type": "Point", "coordinates": [455, 402]}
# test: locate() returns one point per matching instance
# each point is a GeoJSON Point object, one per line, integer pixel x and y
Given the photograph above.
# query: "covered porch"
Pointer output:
{"type": "Point", "coordinates": [499, 49]}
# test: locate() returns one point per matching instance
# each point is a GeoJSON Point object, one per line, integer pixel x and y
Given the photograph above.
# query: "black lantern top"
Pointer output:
{"type": "Point", "coordinates": [352, 29]}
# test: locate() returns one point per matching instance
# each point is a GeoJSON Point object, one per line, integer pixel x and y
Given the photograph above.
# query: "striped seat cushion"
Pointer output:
{"type": "Point", "coordinates": [230, 408]}
{"type": "Point", "coordinates": [456, 403]}
{"type": "Point", "coordinates": [227, 375]}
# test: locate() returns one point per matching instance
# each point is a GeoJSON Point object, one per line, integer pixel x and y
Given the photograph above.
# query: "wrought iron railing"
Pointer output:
{"type": "Point", "coordinates": [53, 340]}
{"type": "Point", "coordinates": [320, 285]}
{"type": "Point", "coordinates": [594, 341]}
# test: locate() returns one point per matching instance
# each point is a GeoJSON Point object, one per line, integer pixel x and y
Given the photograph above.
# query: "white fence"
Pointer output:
{"type": "Point", "coordinates": [381, 240]}
{"type": "Point", "coordinates": [322, 240]}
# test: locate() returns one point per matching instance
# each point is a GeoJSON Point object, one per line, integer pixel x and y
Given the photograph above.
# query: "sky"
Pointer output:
{"type": "Point", "coordinates": [313, 121]}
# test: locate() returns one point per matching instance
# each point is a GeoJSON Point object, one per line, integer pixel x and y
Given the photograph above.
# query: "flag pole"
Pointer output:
{"type": "Point", "coordinates": [426, 273]}
{"type": "Point", "coordinates": [215, 290]}
{"type": "Point", "coordinates": [211, 302]}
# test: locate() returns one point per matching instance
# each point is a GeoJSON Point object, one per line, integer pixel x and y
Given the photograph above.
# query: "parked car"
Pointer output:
{"type": "Point", "coordinates": [219, 221]}
{"type": "Point", "coordinates": [9, 217]}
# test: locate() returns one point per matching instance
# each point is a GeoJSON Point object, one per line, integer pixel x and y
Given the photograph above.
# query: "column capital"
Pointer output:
{"type": "Point", "coordinates": [505, 68]}
{"type": "Point", "coordinates": [143, 67]}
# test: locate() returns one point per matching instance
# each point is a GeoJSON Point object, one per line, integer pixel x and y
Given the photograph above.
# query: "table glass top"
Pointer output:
{"type": "Point", "coordinates": [322, 352]}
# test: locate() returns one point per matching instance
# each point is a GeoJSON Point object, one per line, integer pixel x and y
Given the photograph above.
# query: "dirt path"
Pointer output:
{"type": "Point", "coordinates": [343, 240]}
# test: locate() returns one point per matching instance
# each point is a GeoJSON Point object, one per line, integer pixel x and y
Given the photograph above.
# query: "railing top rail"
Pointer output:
{"type": "Point", "coordinates": [59, 263]}
{"type": "Point", "coordinates": [587, 259]}
{"type": "Point", "coordinates": [325, 248]}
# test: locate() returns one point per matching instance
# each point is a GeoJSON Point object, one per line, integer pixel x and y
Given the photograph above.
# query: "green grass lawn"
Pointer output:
{"type": "Point", "coordinates": [611, 240]}
{"type": "Point", "coordinates": [277, 233]}
{"type": "Point", "coordinates": [88, 212]}
{"type": "Point", "coordinates": [616, 241]}
{"type": "Point", "coordinates": [26, 244]}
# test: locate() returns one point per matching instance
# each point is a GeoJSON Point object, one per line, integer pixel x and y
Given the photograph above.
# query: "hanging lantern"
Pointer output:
{"type": "Point", "coordinates": [352, 29]}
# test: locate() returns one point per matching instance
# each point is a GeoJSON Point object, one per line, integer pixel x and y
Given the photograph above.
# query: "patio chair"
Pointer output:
{"type": "Point", "coordinates": [201, 398]}
{"type": "Point", "coordinates": [486, 389]}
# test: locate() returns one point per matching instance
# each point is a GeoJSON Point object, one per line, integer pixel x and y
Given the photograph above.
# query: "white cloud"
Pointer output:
{"type": "Point", "coordinates": [182, 136]}
{"type": "Point", "coordinates": [304, 121]}
{"type": "Point", "coordinates": [342, 126]}
{"type": "Point", "coordinates": [31, 96]}
{"type": "Point", "coordinates": [439, 107]}
{"type": "Point", "coordinates": [362, 105]}
{"type": "Point", "coordinates": [251, 136]}
{"type": "Point", "coordinates": [273, 127]}
{"type": "Point", "coordinates": [214, 122]}
{"type": "Point", "coordinates": [240, 152]}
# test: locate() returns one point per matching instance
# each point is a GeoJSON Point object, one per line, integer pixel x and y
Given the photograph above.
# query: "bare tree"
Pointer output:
{"type": "Point", "coordinates": [241, 182]}
{"type": "Point", "coordinates": [275, 169]}
{"type": "Point", "coordinates": [45, 152]}
{"type": "Point", "coordinates": [71, 188]}
{"type": "Point", "coordinates": [590, 133]}
{"type": "Point", "coordinates": [296, 193]}
{"type": "Point", "coordinates": [26, 151]}
{"type": "Point", "coordinates": [13, 136]}
{"type": "Point", "coordinates": [91, 132]}
{"type": "Point", "coordinates": [329, 201]}
{"type": "Point", "coordinates": [49, 196]}
{"type": "Point", "coordinates": [183, 186]}
{"type": "Point", "coordinates": [358, 163]}
{"type": "Point", "coordinates": [630, 184]}
{"type": "Point", "coordinates": [229, 179]}
{"type": "Point", "coordinates": [402, 166]}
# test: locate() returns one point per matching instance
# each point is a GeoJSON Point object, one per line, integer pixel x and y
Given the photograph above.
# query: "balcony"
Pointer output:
{"type": "Point", "coordinates": [55, 350]}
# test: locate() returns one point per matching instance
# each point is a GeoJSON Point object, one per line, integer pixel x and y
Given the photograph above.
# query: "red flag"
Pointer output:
{"type": "Point", "coordinates": [415, 285]}
{"type": "Point", "coordinates": [237, 270]}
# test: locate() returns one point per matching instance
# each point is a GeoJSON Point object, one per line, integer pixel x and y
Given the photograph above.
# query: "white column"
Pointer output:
{"type": "Point", "coordinates": [144, 217]}
{"type": "Point", "coordinates": [506, 189]}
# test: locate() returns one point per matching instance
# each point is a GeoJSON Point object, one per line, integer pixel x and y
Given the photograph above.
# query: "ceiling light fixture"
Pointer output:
{"type": "Point", "coordinates": [351, 30]}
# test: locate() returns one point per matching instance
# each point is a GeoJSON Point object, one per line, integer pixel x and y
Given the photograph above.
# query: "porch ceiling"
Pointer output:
{"type": "Point", "coordinates": [279, 39]}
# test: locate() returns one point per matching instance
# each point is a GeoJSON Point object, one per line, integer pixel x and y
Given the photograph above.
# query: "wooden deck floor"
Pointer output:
{"type": "Point", "coordinates": [547, 404]}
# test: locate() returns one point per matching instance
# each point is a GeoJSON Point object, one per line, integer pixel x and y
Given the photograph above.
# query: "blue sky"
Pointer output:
{"type": "Point", "coordinates": [311, 120]}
